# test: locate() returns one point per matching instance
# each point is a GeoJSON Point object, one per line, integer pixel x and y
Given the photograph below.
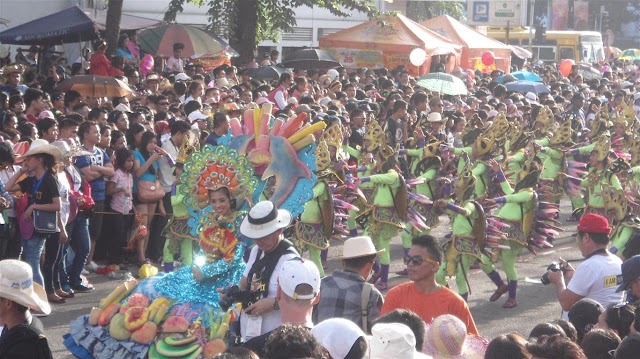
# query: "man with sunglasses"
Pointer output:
{"type": "Point", "coordinates": [595, 278]}
{"type": "Point", "coordinates": [422, 294]}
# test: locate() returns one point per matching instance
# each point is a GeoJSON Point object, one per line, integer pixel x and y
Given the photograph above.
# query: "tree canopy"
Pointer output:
{"type": "Point", "coordinates": [247, 22]}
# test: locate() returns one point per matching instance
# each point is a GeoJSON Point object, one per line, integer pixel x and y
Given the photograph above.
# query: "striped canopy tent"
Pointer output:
{"type": "Point", "coordinates": [393, 37]}
{"type": "Point", "coordinates": [473, 43]}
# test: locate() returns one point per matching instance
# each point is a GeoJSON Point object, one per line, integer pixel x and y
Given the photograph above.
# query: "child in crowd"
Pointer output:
{"type": "Point", "coordinates": [120, 187]}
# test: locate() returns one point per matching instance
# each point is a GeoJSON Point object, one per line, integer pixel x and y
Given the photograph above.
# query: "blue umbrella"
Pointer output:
{"type": "Point", "coordinates": [527, 86]}
{"type": "Point", "coordinates": [522, 75]}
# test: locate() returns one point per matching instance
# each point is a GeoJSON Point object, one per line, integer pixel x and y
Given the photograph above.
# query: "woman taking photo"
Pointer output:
{"type": "Point", "coordinates": [41, 188]}
{"type": "Point", "coordinates": [146, 169]}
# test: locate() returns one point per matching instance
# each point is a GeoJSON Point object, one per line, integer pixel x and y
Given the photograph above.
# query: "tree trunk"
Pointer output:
{"type": "Point", "coordinates": [114, 12]}
{"type": "Point", "coordinates": [243, 30]}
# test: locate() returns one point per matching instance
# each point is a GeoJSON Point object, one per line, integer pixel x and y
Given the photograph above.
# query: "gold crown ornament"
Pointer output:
{"type": "Point", "coordinates": [499, 127]}
{"type": "Point", "coordinates": [634, 150]}
{"type": "Point", "coordinates": [386, 152]}
{"type": "Point", "coordinates": [431, 149]}
{"type": "Point", "coordinates": [603, 147]}
{"type": "Point", "coordinates": [627, 117]}
{"type": "Point", "coordinates": [545, 117]}
{"type": "Point", "coordinates": [189, 146]}
{"type": "Point", "coordinates": [333, 137]}
{"type": "Point", "coordinates": [564, 133]}
{"type": "Point", "coordinates": [601, 122]}
{"type": "Point", "coordinates": [374, 136]}
{"type": "Point", "coordinates": [465, 184]}
{"type": "Point", "coordinates": [484, 144]}
{"type": "Point", "coordinates": [323, 159]}
{"type": "Point", "coordinates": [615, 203]}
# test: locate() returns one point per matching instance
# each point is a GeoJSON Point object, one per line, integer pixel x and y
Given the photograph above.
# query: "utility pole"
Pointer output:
{"type": "Point", "coordinates": [531, 11]}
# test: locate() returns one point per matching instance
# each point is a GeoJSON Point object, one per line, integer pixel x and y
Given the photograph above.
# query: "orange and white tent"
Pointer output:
{"type": "Point", "coordinates": [473, 43]}
{"type": "Point", "coordinates": [387, 42]}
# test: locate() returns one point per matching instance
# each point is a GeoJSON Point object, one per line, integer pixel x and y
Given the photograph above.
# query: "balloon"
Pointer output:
{"type": "Point", "coordinates": [488, 58]}
{"type": "Point", "coordinates": [417, 57]}
{"type": "Point", "coordinates": [146, 64]}
{"type": "Point", "coordinates": [565, 67]}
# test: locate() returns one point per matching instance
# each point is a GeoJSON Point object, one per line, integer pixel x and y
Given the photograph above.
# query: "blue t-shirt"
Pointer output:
{"type": "Point", "coordinates": [149, 176]}
{"type": "Point", "coordinates": [98, 158]}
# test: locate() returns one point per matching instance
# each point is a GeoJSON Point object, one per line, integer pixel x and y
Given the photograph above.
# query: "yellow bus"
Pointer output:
{"type": "Point", "coordinates": [581, 46]}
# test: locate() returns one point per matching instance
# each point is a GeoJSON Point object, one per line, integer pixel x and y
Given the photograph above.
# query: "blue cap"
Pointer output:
{"type": "Point", "coordinates": [630, 271]}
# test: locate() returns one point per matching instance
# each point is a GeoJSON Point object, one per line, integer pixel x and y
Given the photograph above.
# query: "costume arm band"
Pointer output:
{"type": "Point", "coordinates": [459, 210]}
{"type": "Point", "coordinates": [500, 199]}
{"type": "Point", "coordinates": [575, 180]}
{"type": "Point", "coordinates": [501, 176]}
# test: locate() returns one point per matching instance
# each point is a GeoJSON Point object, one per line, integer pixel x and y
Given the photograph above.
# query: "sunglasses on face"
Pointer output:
{"type": "Point", "coordinates": [418, 260]}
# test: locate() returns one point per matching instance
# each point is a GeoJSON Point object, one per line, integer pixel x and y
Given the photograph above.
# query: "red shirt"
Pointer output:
{"type": "Point", "coordinates": [429, 306]}
{"type": "Point", "coordinates": [99, 65]}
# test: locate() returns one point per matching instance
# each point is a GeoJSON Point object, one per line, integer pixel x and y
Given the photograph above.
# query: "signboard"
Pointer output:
{"type": "Point", "coordinates": [496, 12]}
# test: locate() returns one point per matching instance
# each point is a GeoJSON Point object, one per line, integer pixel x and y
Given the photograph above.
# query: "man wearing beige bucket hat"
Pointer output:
{"type": "Point", "coordinates": [344, 293]}
{"type": "Point", "coordinates": [22, 333]}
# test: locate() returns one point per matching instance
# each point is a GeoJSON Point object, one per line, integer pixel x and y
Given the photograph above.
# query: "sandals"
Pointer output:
{"type": "Point", "coordinates": [510, 303]}
{"type": "Point", "coordinates": [499, 292]}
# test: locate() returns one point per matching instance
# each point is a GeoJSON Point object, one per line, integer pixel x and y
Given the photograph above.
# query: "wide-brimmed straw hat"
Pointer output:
{"type": "Point", "coordinates": [446, 337]}
{"type": "Point", "coordinates": [41, 146]}
{"type": "Point", "coordinates": [263, 219]}
{"type": "Point", "coordinates": [357, 247]}
{"type": "Point", "coordinates": [16, 284]}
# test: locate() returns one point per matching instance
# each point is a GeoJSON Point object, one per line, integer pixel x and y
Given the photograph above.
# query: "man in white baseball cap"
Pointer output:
{"type": "Point", "coordinates": [298, 291]}
{"type": "Point", "coordinates": [264, 225]}
{"type": "Point", "coordinates": [22, 333]}
{"type": "Point", "coordinates": [345, 292]}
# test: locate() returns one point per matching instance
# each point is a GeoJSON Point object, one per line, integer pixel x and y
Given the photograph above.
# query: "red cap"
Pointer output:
{"type": "Point", "coordinates": [594, 223]}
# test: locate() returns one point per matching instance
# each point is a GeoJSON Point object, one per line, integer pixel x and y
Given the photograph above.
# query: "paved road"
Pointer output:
{"type": "Point", "coordinates": [536, 303]}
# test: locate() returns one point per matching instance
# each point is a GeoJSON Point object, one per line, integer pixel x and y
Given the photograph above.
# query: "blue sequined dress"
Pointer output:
{"type": "Point", "coordinates": [192, 299]}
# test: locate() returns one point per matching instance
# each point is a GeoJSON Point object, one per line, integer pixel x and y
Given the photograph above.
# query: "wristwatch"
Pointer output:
{"type": "Point", "coordinates": [276, 306]}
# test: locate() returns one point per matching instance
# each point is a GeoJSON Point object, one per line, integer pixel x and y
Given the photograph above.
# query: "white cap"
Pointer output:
{"type": "Point", "coordinates": [325, 101]}
{"type": "Point", "coordinates": [434, 117]}
{"type": "Point", "coordinates": [197, 115]}
{"type": "Point", "coordinates": [625, 84]}
{"type": "Point", "coordinates": [531, 97]}
{"type": "Point", "coordinates": [333, 74]}
{"type": "Point", "coordinates": [122, 107]}
{"type": "Point", "coordinates": [182, 77]}
{"type": "Point", "coordinates": [298, 271]}
{"type": "Point", "coordinates": [636, 96]}
{"type": "Point", "coordinates": [393, 340]}
{"type": "Point", "coordinates": [337, 336]}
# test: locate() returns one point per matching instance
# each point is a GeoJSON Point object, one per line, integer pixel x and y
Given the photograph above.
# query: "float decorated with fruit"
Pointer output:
{"type": "Point", "coordinates": [179, 314]}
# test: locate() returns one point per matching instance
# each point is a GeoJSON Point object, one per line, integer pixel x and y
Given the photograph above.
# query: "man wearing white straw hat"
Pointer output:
{"type": "Point", "coordinates": [264, 225]}
{"type": "Point", "coordinates": [344, 293]}
{"type": "Point", "coordinates": [22, 333]}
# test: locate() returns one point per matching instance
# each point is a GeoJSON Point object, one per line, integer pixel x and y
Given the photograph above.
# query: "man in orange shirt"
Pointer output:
{"type": "Point", "coordinates": [422, 295]}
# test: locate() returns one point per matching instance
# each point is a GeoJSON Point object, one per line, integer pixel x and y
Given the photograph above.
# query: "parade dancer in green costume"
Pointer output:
{"type": "Point", "coordinates": [517, 219]}
{"type": "Point", "coordinates": [389, 208]}
{"type": "Point", "coordinates": [468, 225]}
{"type": "Point", "coordinates": [425, 166]}
{"type": "Point", "coordinates": [625, 223]}
{"type": "Point", "coordinates": [373, 139]}
{"type": "Point", "coordinates": [316, 224]}
{"type": "Point", "coordinates": [599, 175]}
